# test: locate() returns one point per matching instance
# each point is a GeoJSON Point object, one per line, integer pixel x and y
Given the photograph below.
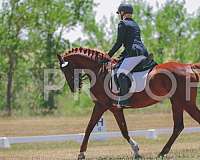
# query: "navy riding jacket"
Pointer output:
{"type": "Point", "coordinates": [129, 36]}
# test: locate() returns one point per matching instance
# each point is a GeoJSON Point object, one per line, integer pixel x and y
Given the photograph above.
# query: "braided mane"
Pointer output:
{"type": "Point", "coordinates": [87, 52]}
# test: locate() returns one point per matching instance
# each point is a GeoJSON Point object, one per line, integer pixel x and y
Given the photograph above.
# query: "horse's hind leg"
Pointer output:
{"type": "Point", "coordinates": [177, 110]}
{"type": "Point", "coordinates": [193, 111]}
{"type": "Point", "coordinates": [119, 116]}
{"type": "Point", "coordinates": [191, 107]}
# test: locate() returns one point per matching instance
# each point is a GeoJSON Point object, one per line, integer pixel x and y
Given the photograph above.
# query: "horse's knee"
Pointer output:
{"type": "Point", "coordinates": [178, 129]}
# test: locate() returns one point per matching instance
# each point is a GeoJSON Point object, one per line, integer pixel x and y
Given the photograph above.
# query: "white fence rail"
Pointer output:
{"type": "Point", "coordinates": [5, 142]}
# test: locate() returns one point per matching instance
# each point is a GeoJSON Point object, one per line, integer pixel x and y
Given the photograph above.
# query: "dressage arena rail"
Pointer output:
{"type": "Point", "coordinates": [5, 142]}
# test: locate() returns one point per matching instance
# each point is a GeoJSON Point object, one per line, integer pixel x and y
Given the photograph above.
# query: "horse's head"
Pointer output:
{"type": "Point", "coordinates": [68, 68]}
{"type": "Point", "coordinates": [80, 58]}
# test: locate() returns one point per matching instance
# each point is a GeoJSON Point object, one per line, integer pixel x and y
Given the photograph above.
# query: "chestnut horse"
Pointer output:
{"type": "Point", "coordinates": [160, 85]}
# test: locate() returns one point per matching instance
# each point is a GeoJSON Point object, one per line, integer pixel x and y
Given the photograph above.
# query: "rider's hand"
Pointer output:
{"type": "Point", "coordinates": [109, 66]}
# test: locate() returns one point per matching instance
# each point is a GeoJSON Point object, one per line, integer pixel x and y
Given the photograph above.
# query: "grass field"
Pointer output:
{"type": "Point", "coordinates": [186, 147]}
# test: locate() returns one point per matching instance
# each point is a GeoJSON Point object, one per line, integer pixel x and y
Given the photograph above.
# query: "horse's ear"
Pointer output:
{"type": "Point", "coordinates": [59, 58]}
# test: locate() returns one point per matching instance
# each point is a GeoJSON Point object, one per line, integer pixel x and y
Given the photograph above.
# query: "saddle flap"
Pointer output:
{"type": "Point", "coordinates": [138, 83]}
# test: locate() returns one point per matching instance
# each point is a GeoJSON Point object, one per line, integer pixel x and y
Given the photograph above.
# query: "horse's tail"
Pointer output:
{"type": "Point", "coordinates": [196, 69]}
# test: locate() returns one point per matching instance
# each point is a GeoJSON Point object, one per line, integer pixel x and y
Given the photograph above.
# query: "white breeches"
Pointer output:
{"type": "Point", "coordinates": [128, 64]}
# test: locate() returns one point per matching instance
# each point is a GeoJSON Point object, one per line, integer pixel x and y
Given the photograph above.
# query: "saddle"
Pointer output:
{"type": "Point", "coordinates": [139, 75]}
{"type": "Point", "coordinates": [145, 64]}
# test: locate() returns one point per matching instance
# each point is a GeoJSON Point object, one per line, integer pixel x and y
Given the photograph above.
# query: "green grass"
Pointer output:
{"type": "Point", "coordinates": [187, 147]}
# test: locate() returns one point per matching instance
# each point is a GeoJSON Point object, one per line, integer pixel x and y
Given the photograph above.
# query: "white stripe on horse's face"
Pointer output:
{"type": "Point", "coordinates": [64, 64]}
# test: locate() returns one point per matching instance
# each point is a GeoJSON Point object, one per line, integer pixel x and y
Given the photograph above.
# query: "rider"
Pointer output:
{"type": "Point", "coordinates": [134, 52]}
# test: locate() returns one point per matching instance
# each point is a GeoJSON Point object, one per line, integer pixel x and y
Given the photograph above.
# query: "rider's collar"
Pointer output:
{"type": "Point", "coordinates": [128, 18]}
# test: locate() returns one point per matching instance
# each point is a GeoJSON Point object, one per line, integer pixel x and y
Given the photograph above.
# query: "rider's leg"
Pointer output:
{"type": "Point", "coordinates": [124, 80]}
{"type": "Point", "coordinates": [129, 63]}
{"type": "Point", "coordinates": [124, 86]}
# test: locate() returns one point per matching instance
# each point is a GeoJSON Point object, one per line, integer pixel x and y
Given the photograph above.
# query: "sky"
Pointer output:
{"type": "Point", "coordinates": [108, 7]}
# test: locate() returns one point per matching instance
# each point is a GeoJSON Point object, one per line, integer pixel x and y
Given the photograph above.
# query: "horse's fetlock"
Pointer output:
{"type": "Point", "coordinates": [125, 136]}
{"type": "Point", "coordinates": [81, 156]}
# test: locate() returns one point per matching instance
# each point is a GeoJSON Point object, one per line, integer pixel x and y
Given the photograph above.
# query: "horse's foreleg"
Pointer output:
{"type": "Point", "coordinates": [96, 115]}
{"type": "Point", "coordinates": [177, 110]}
{"type": "Point", "coordinates": [119, 116]}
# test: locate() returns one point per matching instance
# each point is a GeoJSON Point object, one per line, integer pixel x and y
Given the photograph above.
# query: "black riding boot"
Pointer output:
{"type": "Point", "coordinates": [124, 86]}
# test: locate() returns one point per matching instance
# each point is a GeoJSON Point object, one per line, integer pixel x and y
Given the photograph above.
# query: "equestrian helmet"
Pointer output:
{"type": "Point", "coordinates": [126, 8]}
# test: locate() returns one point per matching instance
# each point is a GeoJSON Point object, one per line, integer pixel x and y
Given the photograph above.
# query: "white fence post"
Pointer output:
{"type": "Point", "coordinates": [4, 142]}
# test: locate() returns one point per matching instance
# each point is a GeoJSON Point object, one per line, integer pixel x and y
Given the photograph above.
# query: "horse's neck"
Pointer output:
{"type": "Point", "coordinates": [84, 62]}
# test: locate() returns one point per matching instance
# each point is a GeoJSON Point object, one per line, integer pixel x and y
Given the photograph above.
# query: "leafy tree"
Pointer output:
{"type": "Point", "coordinates": [12, 22]}
{"type": "Point", "coordinates": [50, 20]}
{"type": "Point", "coordinates": [192, 47]}
{"type": "Point", "coordinates": [171, 26]}
{"type": "Point", "coordinates": [31, 34]}
{"type": "Point", "coordinates": [99, 35]}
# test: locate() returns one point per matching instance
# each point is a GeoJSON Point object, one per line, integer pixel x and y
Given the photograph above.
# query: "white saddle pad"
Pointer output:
{"type": "Point", "coordinates": [138, 83]}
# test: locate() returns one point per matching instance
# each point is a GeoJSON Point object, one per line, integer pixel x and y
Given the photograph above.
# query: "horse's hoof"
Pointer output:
{"type": "Point", "coordinates": [138, 156]}
{"type": "Point", "coordinates": [161, 155]}
{"type": "Point", "coordinates": [81, 156]}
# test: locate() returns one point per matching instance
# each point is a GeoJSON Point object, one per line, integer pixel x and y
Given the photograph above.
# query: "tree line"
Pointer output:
{"type": "Point", "coordinates": [32, 33]}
